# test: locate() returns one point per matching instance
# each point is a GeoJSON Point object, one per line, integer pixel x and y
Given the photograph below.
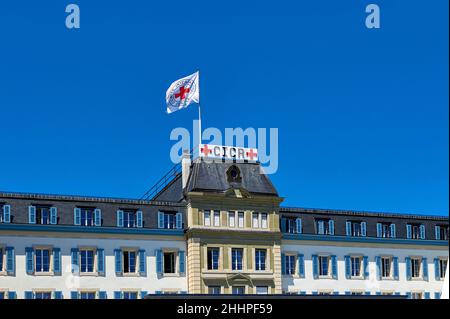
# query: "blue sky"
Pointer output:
{"type": "Point", "coordinates": [362, 114]}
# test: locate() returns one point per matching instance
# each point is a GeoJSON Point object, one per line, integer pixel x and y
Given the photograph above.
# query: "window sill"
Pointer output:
{"type": "Point", "coordinates": [88, 274]}
{"type": "Point", "coordinates": [170, 275]}
{"type": "Point", "coordinates": [357, 278]}
{"type": "Point", "coordinates": [127, 274]}
{"type": "Point", "coordinates": [325, 277]}
{"type": "Point", "coordinates": [50, 273]}
{"type": "Point", "coordinates": [387, 278]}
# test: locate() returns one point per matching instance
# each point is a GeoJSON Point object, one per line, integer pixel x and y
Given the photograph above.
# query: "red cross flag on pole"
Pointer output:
{"type": "Point", "coordinates": [183, 92]}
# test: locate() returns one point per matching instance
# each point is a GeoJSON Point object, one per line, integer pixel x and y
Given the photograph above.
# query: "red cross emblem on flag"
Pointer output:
{"type": "Point", "coordinates": [182, 93]}
{"type": "Point", "coordinates": [251, 154]}
{"type": "Point", "coordinates": [205, 150]}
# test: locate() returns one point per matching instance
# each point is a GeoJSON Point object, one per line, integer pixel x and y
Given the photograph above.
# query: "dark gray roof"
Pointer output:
{"type": "Point", "coordinates": [212, 177]}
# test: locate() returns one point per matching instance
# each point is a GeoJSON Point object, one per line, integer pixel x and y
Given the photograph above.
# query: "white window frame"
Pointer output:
{"type": "Point", "coordinates": [136, 266]}
{"type": "Point", "coordinates": [441, 273]}
{"type": "Point", "coordinates": [391, 267]}
{"type": "Point", "coordinates": [50, 271]}
{"type": "Point", "coordinates": [255, 220]}
{"type": "Point", "coordinates": [361, 266]}
{"type": "Point", "coordinates": [216, 218]}
{"type": "Point", "coordinates": [264, 221]}
{"type": "Point", "coordinates": [232, 217]}
{"type": "Point", "coordinates": [241, 214]}
{"type": "Point", "coordinates": [94, 261]}
{"type": "Point", "coordinates": [320, 266]}
{"type": "Point", "coordinates": [207, 218]}
{"type": "Point", "coordinates": [419, 264]}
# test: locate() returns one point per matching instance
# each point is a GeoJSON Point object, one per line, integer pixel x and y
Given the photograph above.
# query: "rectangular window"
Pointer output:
{"type": "Point", "coordinates": [207, 218]}
{"type": "Point", "coordinates": [86, 260]}
{"type": "Point", "coordinates": [356, 229]}
{"type": "Point", "coordinates": [129, 219]}
{"type": "Point", "coordinates": [170, 220]}
{"type": "Point", "coordinates": [236, 258]}
{"type": "Point", "coordinates": [262, 290]}
{"type": "Point", "coordinates": [87, 295]}
{"type": "Point", "coordinates": [169, 262]}
{"type": "Point", "coordinates": [416, 295]}
{"type": "Point", "coordinates": [442, 268]}
{"type": "Point", "coordinates": [386, 230]}
{"type": "Point", "coordinates": [43, 295]}
{"type": "Point", "coordinates": [415, 231]}
{"type": "Point", "coordinates": [260, 259]}
{"type": "Point", "coordinates": [416, 267]}
{"type": "Point", "coordinates": [443, 233]}
{"type": "Point", "coordinates": [130, 295]}
{"type": "Point", "coordinates": [238, 290]}
{"type": "Point", "coordinates": [1, 213]}
{"type": "Point", "coordinates": [2, 295]}
{"type": "Point", "coordinates": [43, 215]}
{"type": "Point", "coordinates": [241, 219]}
{"type": "Point", "coordinates": [255, 220]}
{"type": "Point", "coordinates": [263, 220]}
{"type": "Point", "coordinates": [289, 261]}
{"type": "Point", "coordinates": [213, 258]}
{"type": "Point", "coordinates": [232, 219]}
{"type": "Point", "coordinates": [129, 261]}
{"type": "Point", "coordinates": [42, 260]}
{"type": "Point", "coordinates": [87, 216]}
{"type": "Point", "coordinates": [356, 266]}
{"type": "Point", "coordinates": [291, 225]}
{"type": "Point", "coordinates": [324, 266]}
{"type": "Point", "coordinates": [323, 227]}
{"type": "Point", "coordinates": [214, 290]}
{"type": "Point", "coordinates": [386, 267]}
{"type": "Point", "coordinates": [216, 218]}
{"type": "Point", "coordinates": [356, 293]}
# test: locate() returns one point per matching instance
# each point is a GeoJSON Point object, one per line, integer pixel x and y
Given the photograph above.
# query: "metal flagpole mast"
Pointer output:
{"type": "Point", "coordinates": [199, 117]}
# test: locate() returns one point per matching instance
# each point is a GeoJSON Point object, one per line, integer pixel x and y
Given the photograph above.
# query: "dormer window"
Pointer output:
{"type": "Point", "coordinates": [234, 174]}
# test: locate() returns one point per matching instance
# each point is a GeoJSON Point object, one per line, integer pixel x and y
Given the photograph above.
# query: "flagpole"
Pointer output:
{"type": "Point", "coordinates": [199, 117]}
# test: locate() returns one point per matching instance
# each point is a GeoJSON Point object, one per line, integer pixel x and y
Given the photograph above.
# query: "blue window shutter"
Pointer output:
{"type": "Point", "coordinates": [102, 295]}
{"type": "Point", "coordinates": [53, 215]}
{"type": "Point", "coordinates": [117, 295]}
{"type": "Point", "coordinates": [298, 224]}
{"type": "Point", "coordinates": [422, 231]}
{"type": "Point", "coordinates": [139, 218]}
{"type": "Point", "coordinates": [348, 228]}
{"type": "Point", "coordinates": [6, 213]}
{"type": "Point", "coordinates": [366, 267]}
{"type": "Point", "coordinates": [12, 295]}
{"type": "Point", "coordinates": [378, 293]}
{"type": "Point", "coordinates": [408, 268]}
{"type": "Point", "coordinates": [409, 295]}
{"type": "Point", "coordinates": [301, 266]}
{"type": "Point", "coordinates": [77, 216]}
{"type": "Point", "coordinates": [334, 267]}
{"type": "Point", "coordinates": [347, 267]}
{"type": "Point", "coordinates": [378, 262]}
{"type": "Point", "coordinates": [118, 261]}
{"type": "Point", "coordinates": [31, 214]}
{"type": "Point", "coordinates": [437, 275]}
{"type": "Point", "coordinates": [182, 260]}
{"type": "Point", "coordinates": [120, 218]}
{"type": "Point", "coordinates": [142, 263]}
{"type": "Point", "coordinates": [97, 217]}
{"type": "Point", "coordinates": [335, 292]}
{"type": "Point", "coordinates": [160, 220]}
{"type": "Point", "coordinates": [393, 231]}
{"type": "Point", "coordinates": [408, 231]}
{"type": "Point", "coordinates": [379, 230]}
{"type": "Point", "coordinates": [367, 293]}
{"type": "Point", "coordinates": [58, 295]}
{"type": "Point", "coordinates": [302, 293]}
{"type": "Point", "coordinates": [159, 261]}
{"type": "Point", "coordinates": [396, 271]}
{"type": "Point", "coordinates": [315, 261]}
{"type": "Point", "coordinates": [143, 294]}
{"type": "Point", "coordinates": [437, 232]}
{"type": "Point", "coordinates": [179, 220]}
{"type": "Point", "coordinates": [101, 261]}
{"type": "Point", "coordinates": [10, 261]}
{"type": "Point", "coordinates": [427, 295]}
{"type": "Point", "coordinates": [74, 295]}
{"type": "Point", "coordinates": [29, 260]}
{"type": "Point", "coordinates": [74, 260]}
{"type": "Point", "coordinates": [437, 295]}
{"type": "Point", "coordinates": [283, 264]}
{"type": "Point", "coordinates": [283, 224]}
{"type": "Point", "coordinates": [331, 226]}
{"type": "Point", "coordinates": [425, 269]}
{"type": "Point", "coordinates": [57, 261]}
{"type": "Point", "coordinates": [363, 229]}
{"type": "Point", "coordinates": [315, 292]}
{"type": "Point", "coordinates": [348, 293]}
{"type": "Point", "coordinates": [28, 295]}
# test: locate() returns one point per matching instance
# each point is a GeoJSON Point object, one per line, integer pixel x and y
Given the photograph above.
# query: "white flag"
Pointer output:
{"type": "Point", "coordinates": [183, 92]}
